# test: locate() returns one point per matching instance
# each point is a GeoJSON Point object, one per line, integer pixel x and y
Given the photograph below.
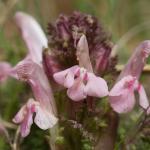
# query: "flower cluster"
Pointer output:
{"type": "Point", "coordinates": [64, 35]}
{"type": "Point", "coordinates": [80, 78]}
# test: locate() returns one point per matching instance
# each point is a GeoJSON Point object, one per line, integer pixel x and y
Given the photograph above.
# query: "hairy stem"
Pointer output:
{"type": "Point", "coordinates": [108, 136]}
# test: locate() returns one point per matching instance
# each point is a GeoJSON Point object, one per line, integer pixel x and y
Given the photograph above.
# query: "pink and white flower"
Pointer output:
{"type": "Point", "coordinates": [80, 80]}
{"type": "Point", "coordinates": [121, 96]}
{"type": "Point", "coordinates": [81, 83]}
{"type": "Point", "coordinates": [31, 71]}
{"type": "Point", "coordinates": [24, 117]}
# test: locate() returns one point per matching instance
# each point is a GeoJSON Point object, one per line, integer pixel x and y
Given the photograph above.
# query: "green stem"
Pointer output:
{"type": "Point", "coordinates": [53, 135]}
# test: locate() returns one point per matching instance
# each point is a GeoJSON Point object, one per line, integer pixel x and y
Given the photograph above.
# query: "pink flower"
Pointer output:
{"type": "Point", "coordinates": [81, 83]}
{"type": "Point", "coordinates": [122, 97]}
{"type": "Point", "coordinates": [122, 94]}
{"type": "Point", "coordinates": [34, 75]}
{"type": "Point", "coordinates": [80, 80]}
{"type": "Point", "coordinates": [31, 71]}
{"type": "Point", "coordinates": [43, 119]}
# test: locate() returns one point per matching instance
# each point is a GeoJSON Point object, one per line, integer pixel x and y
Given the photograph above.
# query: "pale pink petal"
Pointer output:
{"type": "Point", "coordinates": [66, 77]}
{"type": "Point", "coordinates": [118, 88]}
{"type": "Point", "coordinates": [32, 34]}
{"type": "Point", "coordinates": [122, 95]}
{"type": "Point", "coordinates": [44, 119]}
{"type": "Point", "coordinates": [143, 100]}
{"type": "Point", "coordinates": [123, 103]}
{"type": "Point", "coordinates": [83, 54]}
{"type": "Point", "coordinates": [59, 77]}
{"type": "Point", "coordinates": [42, 90]}
{"type": "Point", "coordinates": [69, 80]}
{"type": "Point", "coordinates": [76, 92]}
{"type": "Point", "coordinates": [20, 115]}
{"type": "Point", "coordinates": [26, 124]}
{"type": "Point", "coordinates": [96, 86]}
{"type": "Point", "coordinates": [24, 117]}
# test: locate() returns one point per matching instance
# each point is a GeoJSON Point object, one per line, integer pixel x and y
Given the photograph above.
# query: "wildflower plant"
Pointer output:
{"type": "Point", "coordinates": [77, 95]}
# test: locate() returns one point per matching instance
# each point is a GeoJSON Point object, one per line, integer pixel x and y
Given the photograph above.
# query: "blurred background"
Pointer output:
{"type": "Point", "coordinates": [128, 21]}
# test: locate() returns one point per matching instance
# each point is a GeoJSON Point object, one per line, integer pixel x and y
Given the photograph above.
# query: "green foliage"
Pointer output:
{"type": "Point", "coordinates": [3, 144]}
{"type": "Point", "coordinates": [36, 140]}
{"type": "Point", "coordinates": [86, 145]}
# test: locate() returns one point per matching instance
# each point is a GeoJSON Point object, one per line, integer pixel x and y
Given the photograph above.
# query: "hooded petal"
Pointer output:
{"type": "Point", "coordinates": [137, 61]}
{"type": "Point", "coordinates": [96, 86]}
{"type": "Point", "coordinates": [44, 119]}
{"type": "Point", "coordinates": [143, 100]}
{"type": "Point", "coordinates": [76, 92]}
{"type": "Point", "coordinates": [32, 34]}
{"type": "Point", "coordinates": [24, 69]}
{"type": "Point", "coordinates": [83, 54]}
